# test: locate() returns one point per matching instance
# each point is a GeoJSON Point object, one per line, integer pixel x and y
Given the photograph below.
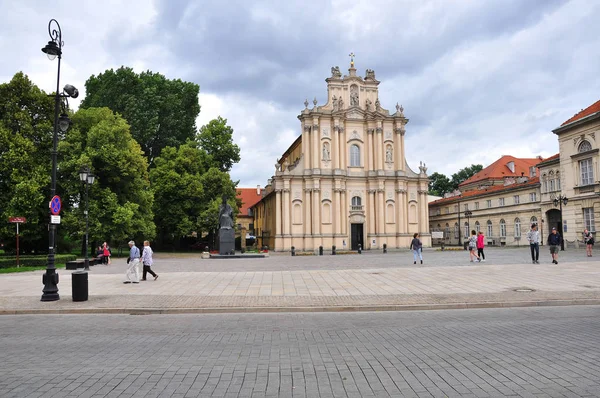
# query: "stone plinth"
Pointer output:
{"type": "Point", "coordinates": [226, 241]}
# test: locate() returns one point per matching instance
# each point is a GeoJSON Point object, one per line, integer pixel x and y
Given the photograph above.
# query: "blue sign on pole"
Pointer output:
{"type": "Point", "coordinates": [55, 205]}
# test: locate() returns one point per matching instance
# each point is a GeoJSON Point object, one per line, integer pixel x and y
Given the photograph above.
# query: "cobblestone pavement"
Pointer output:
{"type": "Point", "coordinates": [526, 352]}
{"type": "Point", "coordinates": [346, 282]}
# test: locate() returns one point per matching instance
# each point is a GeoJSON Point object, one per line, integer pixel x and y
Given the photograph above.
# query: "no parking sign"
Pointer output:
{"type": "Point", "coordinates": [55, 205]}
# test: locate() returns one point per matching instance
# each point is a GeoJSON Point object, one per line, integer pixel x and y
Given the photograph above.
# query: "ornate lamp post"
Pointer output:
{"type": "Point", "coordinates": [558, 201]}
{"type": "Point", "coordinates": [88, 179]}
{"type": "Point", "coordinates": [61, 122]}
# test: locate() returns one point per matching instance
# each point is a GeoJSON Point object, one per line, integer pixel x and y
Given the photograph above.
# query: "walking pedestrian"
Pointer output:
{"type": "Point", "coordinates": [588, 238]}
{"type": "Point", "coordinates": [480, 245]}
{"type": "Point", "coordinates": [473, 247]}
{"type": "Point", "coordinates": [133, 262]}
{"type": "Point", "coordinates": [533, 237]}
{"type": "Point", "coordinates": [554, 240]}
{"type": "Point", "coordinates": [147, 261]}
{"type": "Point", "coordinates": [106, 254]}
{"type": "Point", "coordinates": [417, 248]}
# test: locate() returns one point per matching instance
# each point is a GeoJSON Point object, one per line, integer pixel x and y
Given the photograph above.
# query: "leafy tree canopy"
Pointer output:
{"type": "Point", "coordinates": [439, 184]}
{"type": "Point", "coordinates": [161, 112]}
{"type": "Point", "coordinates": [216, 138]}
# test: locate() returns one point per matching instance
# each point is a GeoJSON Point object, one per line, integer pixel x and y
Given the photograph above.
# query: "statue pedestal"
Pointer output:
{"type": "Point", "coordinates": [226, 241]}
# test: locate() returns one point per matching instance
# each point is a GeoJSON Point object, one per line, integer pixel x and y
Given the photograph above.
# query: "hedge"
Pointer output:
{"type": "Point", "coordinates": [35, 261]}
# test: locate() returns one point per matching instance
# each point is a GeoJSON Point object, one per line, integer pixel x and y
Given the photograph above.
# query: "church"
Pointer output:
{"type": "Point", "coordinates": [344, 181]}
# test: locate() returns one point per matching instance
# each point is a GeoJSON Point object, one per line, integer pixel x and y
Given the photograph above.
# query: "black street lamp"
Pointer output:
{"type": "Point", "coordinates": [88, 179]}
{"type": "Point", "coordinates": [558, 201]}
{"type": "Point", "coordinates": [61, 122]}
{"type": "Point", "coordinates": [468, 214]}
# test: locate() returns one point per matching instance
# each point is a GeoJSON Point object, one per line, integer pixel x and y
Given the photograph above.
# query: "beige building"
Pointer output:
{"type": "Point", "coordinates": [345, 180]}
{"type": "Point", "coordinates": [502, 201]}
{"type": "Point", "coordinates": [574, 174]}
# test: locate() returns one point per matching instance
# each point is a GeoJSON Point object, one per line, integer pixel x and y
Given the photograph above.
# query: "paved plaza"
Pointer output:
{"type": "Point", "coordinates": [516, 352]}
{"type": "Point", "coordinates": [371, 281]}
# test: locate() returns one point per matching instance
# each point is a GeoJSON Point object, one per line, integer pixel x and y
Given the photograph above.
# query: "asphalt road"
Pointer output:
{"type": "Point", "coordinates": [542, 352]}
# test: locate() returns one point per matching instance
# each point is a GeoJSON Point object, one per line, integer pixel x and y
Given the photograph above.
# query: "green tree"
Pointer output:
{"type": "Point", "coordinates": [120, 200]}
{"type": "Point", "coordinates": [176, 180]}
{"type": "Point", "coordinates": [439, 184]}
{"type": "Point", "coordinates": [216, 138]}
{"type": "Point", "coordinates": [26, 125]}
{"type": "Point", "coordinates": [465, 174]}
{"type": "Point", "coordinates": [161, 112]}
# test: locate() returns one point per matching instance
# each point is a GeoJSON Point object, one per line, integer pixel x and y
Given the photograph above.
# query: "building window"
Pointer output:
{"type": "Point", "coordinates": [517, 199]}
{"type": "Point", "coordinates": [532, 171]}
{"type": "Point", "coordinates": [533, 220]}
{"type": "Point", "coordinates": [588, 219]}
{"type": "Point", "coordinates": [466, 206]}
{"type": "Point", "coordinates": [447, 231]}
{"type": "Point", "coordinates": [466, 230]}
{"type": "Point", "coordinates": [552, 186]}
{"type": "Point", "coordinates": [586, 171]}
{"type": "Point", "coordinates": [456, 231]}
{"type": "Point", "coordinates": [456, 208]}
{"type": "Point", "coordinates": [501, 202]}
{"type": "Point", "coordinates": [357, 203]}
{"type": "Point", "coordinates": [355, 156]}
{"type": "Point", "coordinates": [558, 181]}
{"type": "Point", "coordinates": [517, 228]}
{"type": "Point", "coordinates": [544, 184]}
{"type": "Point", "coordinates": [489, 203]}
{"type": "Point", "coordinates": [502, 228]}
{"type": "Point", "coordinates": [447, 210]}
{"type": "Point", "coordinates": [584, 146]}
{"type": "Point", "coordinates": [490, 230]}
{"type": "Point", "coordinates": [532, 197]}
{"type": "Point", "coordinates": [476, 205]}
{"type": "Point", "coordinates": [477, 226]}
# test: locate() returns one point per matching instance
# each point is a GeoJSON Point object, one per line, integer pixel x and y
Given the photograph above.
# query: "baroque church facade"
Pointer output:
{"type": "Point", "coordinates": [345, 181]}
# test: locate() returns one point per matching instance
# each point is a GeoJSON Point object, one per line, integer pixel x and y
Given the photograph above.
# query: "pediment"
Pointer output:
{"type": "Point", "coordinates": [355, 113]}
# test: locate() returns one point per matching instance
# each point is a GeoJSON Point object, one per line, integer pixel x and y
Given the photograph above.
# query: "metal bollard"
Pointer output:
{"type": "Point", "coordinates": [385, 248]}
{"type": "Point", "coordinates": [293, 251]}
{"type": "Point", "coordinates": [333, 250]}
{"type": "Point", "coordinates": [359, 248]}
{"type": "Point", "coordinates": [320, 250]}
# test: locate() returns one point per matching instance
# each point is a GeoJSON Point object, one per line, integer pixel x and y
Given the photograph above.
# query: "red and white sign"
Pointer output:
{"type": "Point", "coordinates": [17, 219]}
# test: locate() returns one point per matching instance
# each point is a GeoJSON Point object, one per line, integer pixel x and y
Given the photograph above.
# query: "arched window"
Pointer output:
{"type": "Point", "coordinates": [533, 220]}
{"type": "Point", "coordinates": [584, 146]}
{"type": "Point", "coordinates": [503, 228]}
{"type": "Point", "coordinates": [466, 229]}
{"type": "Point", "coordinates": [456, 230]}
{"type": "Point", "coordinates": [356, 201]}
{"type": "Point", "coordinates": [490, 230]}
{"type": "Point", "coordinates": [447, 231]}
{"type": "Point", "coordinates": [355, 156]}
{"type": "Point", "coordinates": [517, 228]}
{"type": "Point", "coordinates": [477, 226]}
{"type": "Point", "coordinates": [552, 183]}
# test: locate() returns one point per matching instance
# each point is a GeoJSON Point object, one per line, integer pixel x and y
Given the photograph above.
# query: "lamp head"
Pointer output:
{"type": "Point", "coordinates": [71, 91]}
{"type": "Point", "coordinates": [83, 173]}
{"type": "Point", "coordinates": [64, 122]}
{"type": "Point", "coordinates": [52, 50]}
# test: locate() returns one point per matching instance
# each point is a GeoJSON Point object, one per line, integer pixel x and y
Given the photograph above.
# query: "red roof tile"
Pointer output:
{"type": "Point", "coordinates": [550, 158]}
{"type": "Point", "coordinates": [491, 189]}
{"type": "Point", "coordinates": [499, 169]}
{"type": "Point", "coordinates": [594, 108]}
{"type": "Point", "coordinates": [249, 197]}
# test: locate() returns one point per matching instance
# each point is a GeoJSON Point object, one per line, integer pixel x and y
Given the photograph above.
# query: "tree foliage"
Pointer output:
{"type": "Point", "coordinates": [120, 200]}
{"type": "Point", "coordinates": [439, 184]}
{"type": "Point", "coordinates": [161, 112]}
{"type": "Point", "coordinates": [216, 138]}
{"type": "Point", "coordinates": [26, 125]}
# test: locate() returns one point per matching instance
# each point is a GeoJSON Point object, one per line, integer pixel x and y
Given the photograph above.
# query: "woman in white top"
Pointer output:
{"type": "Point", "coordinates": [147, 261]}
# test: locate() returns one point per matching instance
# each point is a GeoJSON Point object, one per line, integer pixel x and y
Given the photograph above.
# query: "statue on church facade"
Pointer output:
{"type": "Point", "coordinates": [370, 74]}
{"type": "Point", "coordinates": [334, 100]}
{"type": "Point", "coordinates": [326, 154]}
{"type": "Point", "coordinates": [368, 104]}
{"type": "Point", "coordinates": [335, 72]}
{"type": "Point", "coordinates": [377, 105]}
{"type": "Point", "coordinates": [389, 154]}
{"type": "Point", "coordinates": [354, 96]}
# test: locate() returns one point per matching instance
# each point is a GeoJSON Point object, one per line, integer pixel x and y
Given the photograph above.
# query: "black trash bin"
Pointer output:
{"type": "Point", "coordinates": [79, 285]}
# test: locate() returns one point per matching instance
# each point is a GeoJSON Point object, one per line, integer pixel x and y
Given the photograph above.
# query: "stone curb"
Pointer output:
{"type": "Point", "coordinates": [240, 310]}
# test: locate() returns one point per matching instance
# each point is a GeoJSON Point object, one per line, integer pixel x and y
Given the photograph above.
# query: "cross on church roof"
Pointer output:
{"type": "Point", "coordinates": [351, 55]}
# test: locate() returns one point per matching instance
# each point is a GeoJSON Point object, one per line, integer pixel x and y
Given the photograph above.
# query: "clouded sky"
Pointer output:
{"type": "Point", "coordinates": [478, 79]}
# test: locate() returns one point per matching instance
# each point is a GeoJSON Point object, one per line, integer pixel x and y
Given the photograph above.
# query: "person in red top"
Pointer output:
{"type": "Point", "coordinates": [480, 245]}
{"type": "Point", "coordinates": [106, 253]}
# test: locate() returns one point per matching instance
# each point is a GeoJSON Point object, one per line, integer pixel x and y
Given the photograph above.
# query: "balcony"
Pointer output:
{"type": "Point", "coordinates": [357, 208]}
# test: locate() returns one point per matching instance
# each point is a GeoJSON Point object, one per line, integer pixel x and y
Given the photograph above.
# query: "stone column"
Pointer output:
{"type": "Point", "coordinates": [316, 145]}
{"type": "Point", "coordinates": [278, 212]}
{"type": "Point", "coordinates": [344, 213]}
{"type": "Point", "coordinates": [380, 211]}
{"type": "Point", "coordinates": [370, 150]}
{"type": "Point", "coordinates": [306, 147]}
{"type": "Point", "coordinates": [380, 150]}
{"type": "Point", "coordinates": [423, 209]}
{"type": "Point", "coordinates": [371, 211]}
{"type": "Point", "coordinates": [286, 211]}
{"type": "Point", "coordinates": [307, 212]}
{"type": "Point", "coordinates": [316, 211]}
{"type": "Point", "coordinates": [399, 148]}
{"type": "Point", "coordinates": [337, 204]}
{"type": "Point", "coordinates": [335, 147]}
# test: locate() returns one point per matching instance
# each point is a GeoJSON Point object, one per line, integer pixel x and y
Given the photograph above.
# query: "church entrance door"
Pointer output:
{"type": "Point", "coordinates": [356, 236]}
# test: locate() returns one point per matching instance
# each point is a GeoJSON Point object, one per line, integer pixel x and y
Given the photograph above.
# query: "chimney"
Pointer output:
{"type": "Point", "coordinates": [258, 190]}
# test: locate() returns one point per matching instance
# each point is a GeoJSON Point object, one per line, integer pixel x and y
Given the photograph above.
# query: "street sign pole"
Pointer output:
{"type": "Point", "coordinates": [17, 220]}
{"type": "Point", "coordinates": [18, 265]}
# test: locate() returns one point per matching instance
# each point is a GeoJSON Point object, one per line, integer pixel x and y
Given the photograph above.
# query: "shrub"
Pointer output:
{"type": "Point", "coordinates": [35, 261]}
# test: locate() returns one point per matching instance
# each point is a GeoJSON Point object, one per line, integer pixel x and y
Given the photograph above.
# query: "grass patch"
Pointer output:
{"type": "Point", "coordinates": [12, 270]}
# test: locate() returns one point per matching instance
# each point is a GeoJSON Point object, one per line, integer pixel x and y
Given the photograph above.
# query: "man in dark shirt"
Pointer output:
{"type": "Point", "coordinates": [554, 240]}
